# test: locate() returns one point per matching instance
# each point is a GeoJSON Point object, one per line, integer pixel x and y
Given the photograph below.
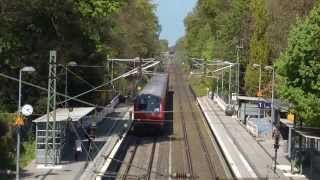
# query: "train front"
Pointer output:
{"type": "Point", "coordinates": [149, 110]}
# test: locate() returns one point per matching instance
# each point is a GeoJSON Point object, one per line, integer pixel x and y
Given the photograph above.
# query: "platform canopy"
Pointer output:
{"type": "Point", "coordinates": [278, 104]}
{"type": "Point", "coordinates": [310, 133]}
{"type": "Point", "coordinates": [62, 114]}
{"type": "Point", "coordinates": [249, 98]}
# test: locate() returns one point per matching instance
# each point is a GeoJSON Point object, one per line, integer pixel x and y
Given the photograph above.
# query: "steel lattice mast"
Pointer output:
{"type": "Point", "coordinates": [50, 146]}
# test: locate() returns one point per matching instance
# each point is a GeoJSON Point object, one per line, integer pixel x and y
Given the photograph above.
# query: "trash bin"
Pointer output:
{"type": "Point", "coordinates": [229, 110]}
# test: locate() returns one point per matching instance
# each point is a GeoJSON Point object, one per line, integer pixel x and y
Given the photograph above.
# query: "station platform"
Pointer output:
{"type": "Point", "coordinates": [108, 134]}
{"type": "Point", "coordinates": [247, 156]}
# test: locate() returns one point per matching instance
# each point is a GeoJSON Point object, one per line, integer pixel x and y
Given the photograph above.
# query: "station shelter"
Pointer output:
{"type": "Point", "coordinates": [304, 151]}
{"type": "Point", "coordinates": [68, 121]}
{"type": "Point", "coordinates": [248, 106]}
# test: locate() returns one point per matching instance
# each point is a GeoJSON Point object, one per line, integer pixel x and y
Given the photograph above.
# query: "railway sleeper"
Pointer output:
{"type": "Point", "coordinates": [182, 175]}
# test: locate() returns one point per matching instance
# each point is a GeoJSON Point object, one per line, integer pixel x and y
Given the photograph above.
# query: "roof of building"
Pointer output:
{"type": "Point", "coordinates": [278, 104]}
{"type": "Point", "coordinates": [311, 133]}
{"type": "Point", "coordinates": [286, 122]}
{"type": "Point", "coordinates": [249, 98]}
{"type": "Point", "coordinates": [62, 114]}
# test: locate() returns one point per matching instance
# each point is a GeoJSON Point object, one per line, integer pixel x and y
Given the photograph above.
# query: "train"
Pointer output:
{"type": "Point", "coordinates": [150, 103]}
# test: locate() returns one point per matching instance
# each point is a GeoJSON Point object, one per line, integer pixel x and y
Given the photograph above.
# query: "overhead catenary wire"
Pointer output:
{"type": "Point", "coordinates": [77, 76]}
{"type": "Point", "coordinates": [45, 89]}
{"type": "Point", "coordinates": [75, 98]}
{"type": "Point", "coordinates": [133, 71]}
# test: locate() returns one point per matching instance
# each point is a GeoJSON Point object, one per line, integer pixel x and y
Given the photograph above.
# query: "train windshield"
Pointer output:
{"type": "Point", "coordinates": [149, 103]}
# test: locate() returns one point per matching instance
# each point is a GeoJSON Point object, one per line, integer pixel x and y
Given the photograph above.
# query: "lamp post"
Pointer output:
{"type": "Point", "coordinates": [229, 83]}
{"type": "Point", "coordinates": [277, 133]}
{"type": "Point", "coordinates": [24, 69]}
{"type": "Point", "coordinates": [229, 99]}
{"type": "Point", "coordinates": [259, 93]}
{"type": "Point", "coordinates": [71, 63]}
{"type": "Point", "coordinates": [222, 84]}
{"type": "Point", "coordinates": [270, 68]}
{"type": "Point", "coordinates": [239, 47]}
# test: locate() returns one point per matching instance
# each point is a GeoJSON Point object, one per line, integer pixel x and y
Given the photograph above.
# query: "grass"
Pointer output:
{"type": "Point", "coordinates": [200, 85]}
{"type": "Point", "coordinates": [28, 153]}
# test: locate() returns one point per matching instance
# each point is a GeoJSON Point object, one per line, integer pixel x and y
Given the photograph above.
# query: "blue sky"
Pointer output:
{"type": "Point", "coordinates": [171, 14]}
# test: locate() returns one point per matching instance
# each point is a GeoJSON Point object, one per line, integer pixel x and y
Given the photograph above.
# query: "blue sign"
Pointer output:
{"type": "Point", "coordinates": [267, 105]}
{"type": "Point", "coordinates": [261, 104]}
{"type": "Point", "coordinates": [264, 105]}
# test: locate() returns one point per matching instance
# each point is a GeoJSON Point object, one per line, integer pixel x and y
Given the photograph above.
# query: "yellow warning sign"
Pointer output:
{"type": "Point", "coordinates": [259, 94]}
{"type": "Point", "coordinates": [19, 121]}
{"type": "Point", "coordinates": [290, 117]}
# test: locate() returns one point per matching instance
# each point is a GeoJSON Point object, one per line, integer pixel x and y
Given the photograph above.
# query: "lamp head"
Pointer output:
{"type": "Point", "coordinates": [256, 65]}
{"type": "Point", "coordinates": [72, 63]}
{"type": "Point", "coordinates": [268, 68]}
{"type": "Point", "coordinates": [28, 69]}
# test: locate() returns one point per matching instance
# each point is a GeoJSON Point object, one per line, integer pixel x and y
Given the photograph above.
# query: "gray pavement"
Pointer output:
{"type": "Point", "coordinates": [244, 153]}
{"type": "Point", "coordinates": [108, 131]}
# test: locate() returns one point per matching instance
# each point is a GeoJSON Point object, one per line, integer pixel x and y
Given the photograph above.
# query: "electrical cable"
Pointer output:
{"type": "Point", "coordinates": [134, 71]}
{"type": "Point", "coordinates": [79, 77]}
{"type": "Point", "coordinates": [45, 89]}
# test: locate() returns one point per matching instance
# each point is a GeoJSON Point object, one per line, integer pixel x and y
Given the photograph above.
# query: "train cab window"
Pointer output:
{"type": "Point", "coordinates": [149, 103]}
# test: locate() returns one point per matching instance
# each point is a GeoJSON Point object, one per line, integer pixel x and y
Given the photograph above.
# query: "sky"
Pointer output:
{"type": "Point", "coordinates": [171, 14]}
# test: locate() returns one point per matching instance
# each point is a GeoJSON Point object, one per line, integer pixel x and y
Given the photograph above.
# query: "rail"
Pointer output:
{"type": "Point", "coordinates": [211, 165]}
{"type": "Point", "coordinates": [186, 141]}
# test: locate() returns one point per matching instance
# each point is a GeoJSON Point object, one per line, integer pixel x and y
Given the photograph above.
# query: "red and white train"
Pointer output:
{"type": "Point", "coordinates": [150, 104]}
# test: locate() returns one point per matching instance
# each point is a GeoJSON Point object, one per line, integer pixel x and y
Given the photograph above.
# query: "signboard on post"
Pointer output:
{"type": "Point", "coordinates": [19, 121]}
{"type": "Point", "coordinates": [290, 117]}
{"type": "Point", "coordinates": [259, 94]}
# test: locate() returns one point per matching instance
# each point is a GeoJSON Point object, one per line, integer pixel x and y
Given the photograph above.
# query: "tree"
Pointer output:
{"type": "Point", "coordinates": [259, 47]}
{"type": "Point", "coordinates": [135, 30]}
{"type": "Point", "coordinates": [164, 45]}
{"type": "Point", "coordinates": [7, 145]}
{"type": "Point", "coordinates": [299, 69]}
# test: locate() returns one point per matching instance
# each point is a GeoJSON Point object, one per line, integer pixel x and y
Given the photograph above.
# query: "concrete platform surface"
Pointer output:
{"type": "Point", "coordinates": [246, 156]}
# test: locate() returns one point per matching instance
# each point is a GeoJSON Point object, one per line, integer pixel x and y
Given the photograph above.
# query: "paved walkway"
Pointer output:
{"type": "Point", "coordinates": [247, 157]}
{"type": "Point", "coordinates": [108, 131]}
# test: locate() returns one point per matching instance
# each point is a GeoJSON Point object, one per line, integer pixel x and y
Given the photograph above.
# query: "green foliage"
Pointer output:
{"type": "Point", "coordinates": [27, 152]}
{"type": "Point", "coordinates": [135, 30]}
{"type": "Point", "coordinates": [299, 68]}
{"type": "Point", "coordinates": [200, 86]}
{"type": "Point", "coordinates": [180, 50]}
{"type": "Point", "coordinates": [164, 45]}
{"type": "Point", "coordinates": [259, 15]}
{"type": "Point", "coordinates": [97, 8]}
{"type": "Point", "coordinates": [259, 47]}
{"type": "Point", "coordinates": [7, 143]}
{"type": "Point", "coordinates": [283, 14]}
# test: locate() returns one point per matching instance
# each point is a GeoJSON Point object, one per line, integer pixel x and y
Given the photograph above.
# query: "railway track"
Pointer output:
{"type": "Point", "coordinates": [196, 145]}
{"type": "Point", "coordinates": [129, 164]}
{"type": "Point", "coordinates": [204, 147]}
{"type": "Point", "coordinates": [150, 164]}
{"type": "Point", "coordinates": [190, 171]}
{"type": "Point", "coordinates": [137, 165]}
